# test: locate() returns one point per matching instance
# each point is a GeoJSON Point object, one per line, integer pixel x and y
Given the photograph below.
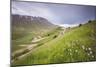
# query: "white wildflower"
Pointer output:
{"type": "Point", "coordinates": [88, 54]}
{"type": "Point", "coordinates": [83, 47]}
{"type": "Point", "coordinates": [91, 52]}
{"type": "Point", "coordinates": [70, 53]}
{"type": "Point", "coordinates": [69, 50]}
{"type": "Point", "coordinates": [89, 48]}
{"type": "Point", "coordinates": [92, 56]}
{"type": "Point", "coordinates": [76, 50]}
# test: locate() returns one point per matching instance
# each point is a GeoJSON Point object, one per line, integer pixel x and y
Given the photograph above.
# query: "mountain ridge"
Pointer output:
{"type": "Point", "coordinates": [31, 22]}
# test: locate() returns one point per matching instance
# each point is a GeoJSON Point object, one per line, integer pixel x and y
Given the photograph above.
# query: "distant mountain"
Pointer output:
{"type": "Point", "coordinates": [31, 23]}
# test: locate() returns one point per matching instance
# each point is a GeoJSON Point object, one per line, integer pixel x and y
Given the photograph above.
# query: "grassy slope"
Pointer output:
{"type": "Point", "coordinates": [25, 37]}
{"type": "Point", "coordinates": [21, 37]}
{"type": "Point", "coordinates": [78, 44]}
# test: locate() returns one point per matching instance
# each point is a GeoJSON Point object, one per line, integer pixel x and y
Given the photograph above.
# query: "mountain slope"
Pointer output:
{"type": "Point", "coordinates": [25, 28]}
{"type": "Point", "coordinates": [79, 44]}
{"type": "Point", "coordinates": [23, 23]}
{"type": "Point", "coordinates": [29, 21]}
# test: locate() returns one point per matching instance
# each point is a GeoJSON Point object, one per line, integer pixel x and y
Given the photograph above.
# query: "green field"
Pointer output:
{"type": "Point", "coordinates": [75, 45]}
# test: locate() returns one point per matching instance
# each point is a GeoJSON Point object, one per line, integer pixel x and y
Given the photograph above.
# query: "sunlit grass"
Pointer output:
{"type": "Point", "coordinates": [79, 44]}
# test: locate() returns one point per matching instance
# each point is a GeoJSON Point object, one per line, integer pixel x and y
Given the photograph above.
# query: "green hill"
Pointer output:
{"type": "Point", "coordinates": [25, 28]}
{"type": "Point", "coordinates": [23, 25]}
{"type": "Point", "coordinates": [75, 45]}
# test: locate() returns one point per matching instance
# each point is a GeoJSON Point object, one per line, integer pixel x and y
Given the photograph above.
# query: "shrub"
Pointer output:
{"type": "Point", "coordinates": [54, 36]}
{"type": "Point", "coordinates": [48, 34]}
{"type": "Point", "coordinates": [68, 28]}
{"type": "Point", "coordinates": [89, 21]}
{"type": "Point", "coordinates": [80, 25]}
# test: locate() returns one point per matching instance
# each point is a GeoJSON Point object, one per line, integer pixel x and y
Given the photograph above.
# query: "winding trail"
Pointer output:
{"type": "Point", "coordinates": [28, 48]}
{"type": "Point", "coordinates": [37, 40]}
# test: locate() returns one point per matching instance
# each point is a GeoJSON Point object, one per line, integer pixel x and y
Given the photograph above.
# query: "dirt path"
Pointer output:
{"type": "Point", "coordinates": [30, 47]}
{"type": "Point", "coordinates": [25, 51]}
{"type": "Point", "coordinates": [62, 32]}
{"type": "Point", "coordinates": [37, 40]}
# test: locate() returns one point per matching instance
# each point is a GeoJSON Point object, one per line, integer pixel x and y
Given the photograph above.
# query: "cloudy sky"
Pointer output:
{"type": "Point", "coordinates": [56, 13]}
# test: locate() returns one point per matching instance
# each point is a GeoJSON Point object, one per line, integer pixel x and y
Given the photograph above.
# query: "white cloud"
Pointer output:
{"type": "Point", "coordinates": [68, 25]}
{"type": "Point", "coordinates": [32, 10]}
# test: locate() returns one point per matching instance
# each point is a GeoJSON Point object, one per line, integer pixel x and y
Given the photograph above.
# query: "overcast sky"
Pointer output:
{"type": "Point", "coordinates": [56, 13]}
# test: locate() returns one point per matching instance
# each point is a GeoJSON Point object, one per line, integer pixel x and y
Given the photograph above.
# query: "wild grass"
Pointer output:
{"type": "Point", "coordinates": [76, 45]}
